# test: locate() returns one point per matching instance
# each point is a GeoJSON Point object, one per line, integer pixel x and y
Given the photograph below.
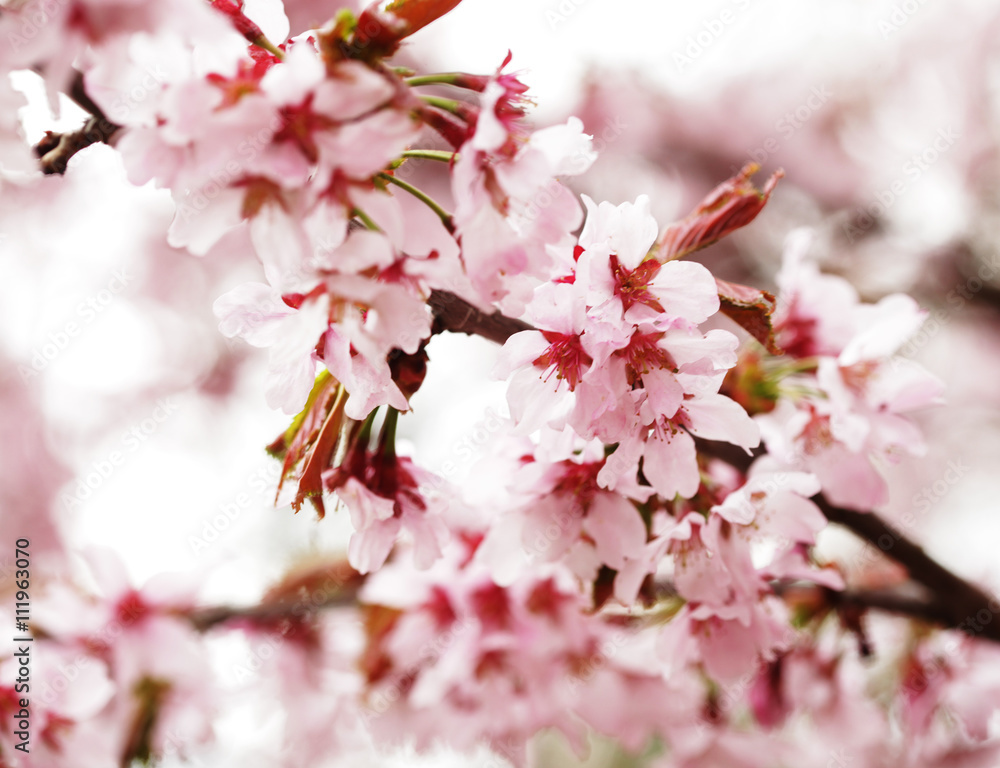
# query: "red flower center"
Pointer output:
{"type": "Point", "coordinates": [643, 354]}
{"type": "Point", "coordinates": [299, 123]}
{"type": "Point", "coordinates": [565, 356]}
{"type": "Point", "coordinates": [632, 287]}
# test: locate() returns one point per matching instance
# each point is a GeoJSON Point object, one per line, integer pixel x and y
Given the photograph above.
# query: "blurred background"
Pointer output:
{"type": "Point", "coordinates": [125, 411]}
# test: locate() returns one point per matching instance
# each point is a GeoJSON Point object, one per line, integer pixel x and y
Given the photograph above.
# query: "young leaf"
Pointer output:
{"type": "Point", "coordinates": [751, 309]}
{"type": "Point", "coordinates": [731, 205]}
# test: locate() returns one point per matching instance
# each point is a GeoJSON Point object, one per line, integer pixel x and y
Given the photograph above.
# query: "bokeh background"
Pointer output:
{"type": "Point", "coordinates": [124, 411]}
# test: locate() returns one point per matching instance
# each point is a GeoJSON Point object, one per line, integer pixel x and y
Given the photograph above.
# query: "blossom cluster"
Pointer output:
{"type": "Point", "coordinates": [645, 565]}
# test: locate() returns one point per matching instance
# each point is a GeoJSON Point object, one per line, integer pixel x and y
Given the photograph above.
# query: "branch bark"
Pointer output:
{"type": "Point", "coordinates": [205, 619]}
{"type": "Point", "coordinates": [955, 602]}
{"type": "Point", "coordinates": [455, 314]}
{"type": "Point", "coordinates": [55, 150]}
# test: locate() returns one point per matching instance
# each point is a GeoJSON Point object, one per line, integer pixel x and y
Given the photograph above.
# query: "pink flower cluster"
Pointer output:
{"type": "Point", "coordinates": [497, 663]}
{"type": "Point", "coordinates": [848, 395]}
{"type": "Point", "coordinates": [641, 566]}
{"type": "Point", "coordinates": [619, 355]}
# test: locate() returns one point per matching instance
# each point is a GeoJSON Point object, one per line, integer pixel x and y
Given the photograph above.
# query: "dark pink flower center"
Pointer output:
{"type": "Point", "coordinates": [565, 356]}
{"type": "Point", "coordinates": [299, 123]}
{"type": "Point", "coordinates": [632, 287]}
{"type": "Point", "coordinates": [644, 354]}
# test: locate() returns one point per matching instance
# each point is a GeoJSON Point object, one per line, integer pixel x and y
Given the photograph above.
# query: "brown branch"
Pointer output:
{"type": "Point", "coordinates": [55, 150]}
{"type": "Point", "coordinates": [957, 603]}
{"type": "Point", "coordinates": [300, 594]}
{"type": "Point", "coordinates": [908, 599]}
{"type": "Point", "coordinates": [265, 613]}
{"type": "Point", "coordinates": [453, 313]}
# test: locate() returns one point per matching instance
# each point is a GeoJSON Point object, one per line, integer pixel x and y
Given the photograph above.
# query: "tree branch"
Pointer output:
{"type": "Point", "coordinates": [205, 619]}
{"type": "Point", "coordinates": [909, 600]}
{"type": "Point", "coordinates": [453, 313]}
{"type": "Point", "coordinates": [955, 602]}
{"type": "Point", "coordinates": [55, 150]}
{"type": "Point", "coordinates": [302, 593]}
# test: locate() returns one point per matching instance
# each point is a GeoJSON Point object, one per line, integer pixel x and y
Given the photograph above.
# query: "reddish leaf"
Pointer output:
{"type": "Point", "coordinates": [751, 309]}
{"type": "Point", "coordinates": [731, 205]}
{"type": "Point", "coordinates": [320, 458]}
{"type": "Point", "coordinates": [307, 447]}
{"type": "Point", "coordinates": [380, 31]}
{"type": "Point", "coordinates": [420, 13]}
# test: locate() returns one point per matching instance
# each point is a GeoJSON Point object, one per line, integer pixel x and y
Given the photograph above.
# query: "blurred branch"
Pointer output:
{"type": "Point", "coordinates": [908, 599]}
{"type": "Point", "coordinates": [300, 594]}
{"type": "Point", "coordinates": [55, 150]}
{"type": "Point", "coordinates": [954, 601]}
{"type": "Point", "coordinates": [904, 600]}
{"type": "Point", "coordinates": [265, 613]}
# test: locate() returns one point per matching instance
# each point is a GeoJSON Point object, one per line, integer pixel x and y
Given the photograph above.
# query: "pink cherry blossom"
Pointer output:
{"type": "Point", "coordinates": [646, 385]}
{"type": "Point", "coordinates": [510, 208]}
{"type": "Point", "coordinates": [500, 661]}
{"type": "Point", "coordinates": [566, 516]}
{"type": "Point", "coordinates": [864, 393]}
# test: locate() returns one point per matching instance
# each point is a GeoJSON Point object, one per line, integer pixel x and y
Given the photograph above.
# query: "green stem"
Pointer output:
{"type": "Point", "coordinates": [366, 220]}
{"type": "Point", "coordinates": [365, 433]}
{"type": "Point", "coordinates": [440, 78]}
{"type": "Point", "coordinates": [387, 440]}
{"type": "Point", "coordinates": [448, 105]}
{"type": "Point", "coordinates": [423, 197]}
{"type": "Point", "coordinates": [267, 45]}
{"type": "Point", "coordinates": [431, 154]}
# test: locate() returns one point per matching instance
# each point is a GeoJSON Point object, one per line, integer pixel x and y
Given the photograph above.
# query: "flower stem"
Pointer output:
{"type": "Point", "coordinates": [387, 440]}
{"type": "Point", "coordinates": [423, 197]}
{"type": "Point", "coordinates": [366, 220]}
{"type": "Point", "coordinates": [448, 105]}
{"type": "Point", "coordinates": [262, 42]}
{"type": "Point", "coordinates": [431, 154]}
{"type": "Point", "coordinates": [439, 78]}
{"type": "Point", "coordinates": [365, 433]}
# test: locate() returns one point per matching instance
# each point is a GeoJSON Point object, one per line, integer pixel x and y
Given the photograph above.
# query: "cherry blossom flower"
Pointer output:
{"type": "Point", "coordinates": [349, 322]}
{"type": "Point", "coordinates": [260, 315]}
{"type": "Point", "coordinates": [386, 495]}
{"type": "Point", "coordinates": [233, 142]}
{"type": "Point", "coordinates": [646, 379]}
{"type": "Point", "coordinates": [863, 394]}
{"type": "Point", "coordinates": [566, 516]}
{"type": "Point", "coordinates": [500, 662]}
{"type": "Point", "coordinates": [67, 693]}
{"type": "Point", "coordinates": [510, 208]}
{"type": "Point", "coordinates": [152, 655]}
